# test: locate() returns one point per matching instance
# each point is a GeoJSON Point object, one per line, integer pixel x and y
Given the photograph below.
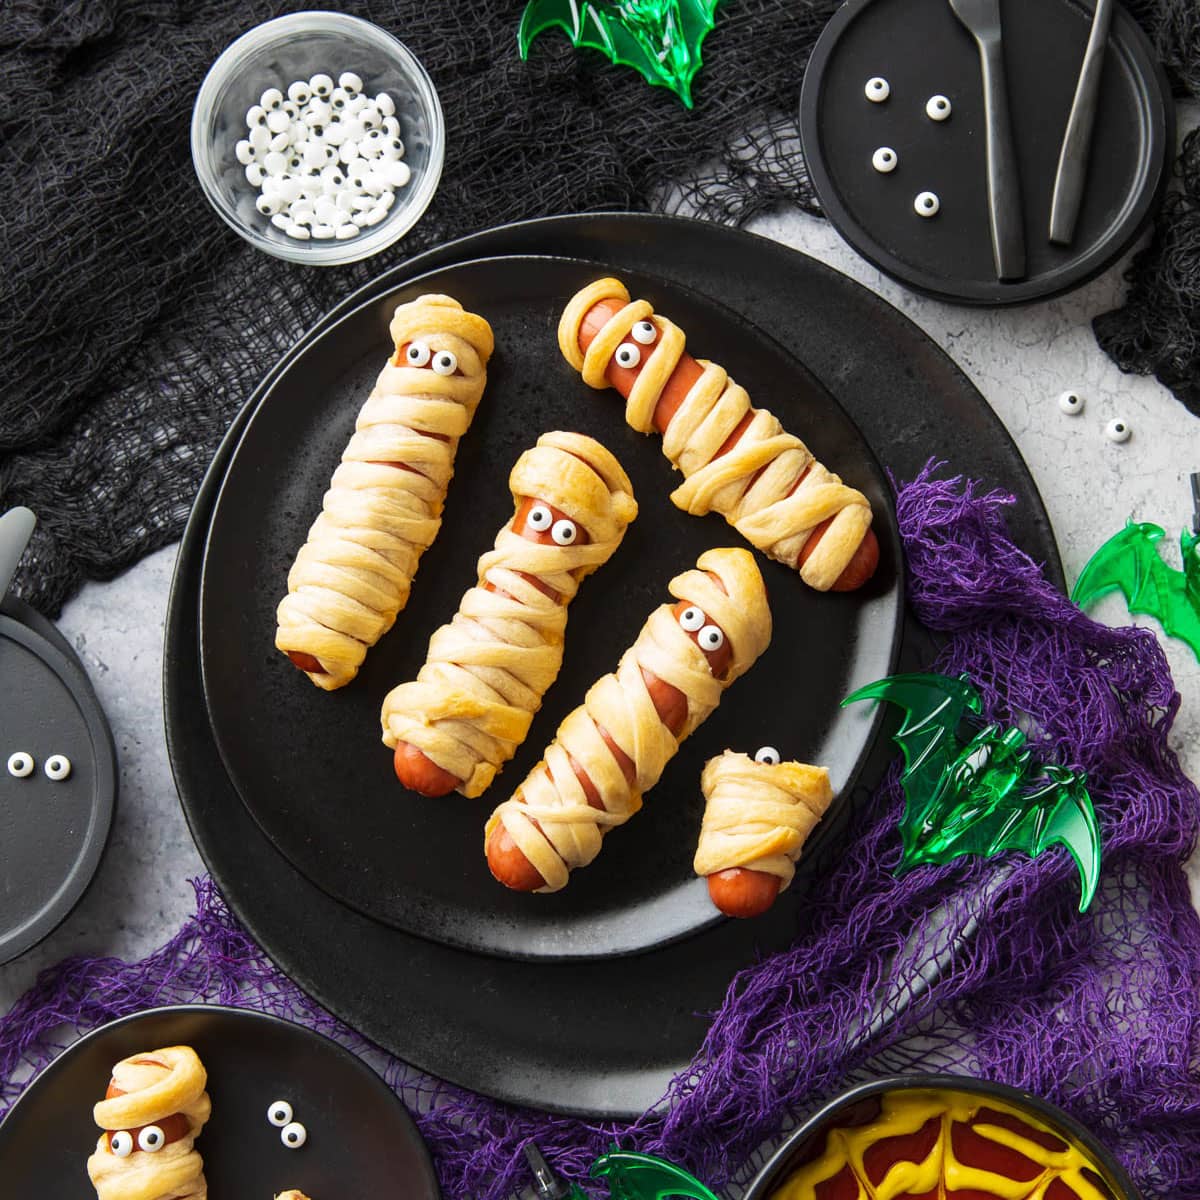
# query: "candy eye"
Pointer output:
{"type": "Point", "coordinates": [691, 619]}
{"type": "Point", "coordinates": [767, 754]}
{"type": "Point", "coordinates": [711, 638]}
{"type": "Point", "coordinates": [151, 1139]}
{"type": "Point", "coordinates": [293, 1135]}
{"type": "Point", "coordinates": [418, 354]}
{"type": "Point", "coordinates": [1071, 403]}
{"type": "Point", "coordinates": [20, 764]}
{"type": "Point", "coordinates": [564, 532]}
{"type": "Point", "coordinates": [58, 767]}
{"type": "Point", "coordinates": [1117, 430]}
{"type": "Point", "coordinates": [280, 1113]}
{"type": "Point", "coordinates": [121, 1143]}
{"type": "Point", "coordinates": [444, 363]}
{"type": "Point", "coordinates": [627, 355]}
{"type": "Point", "coordinates": [644, 332]}
{"type": "Point", "coordinates": [540, 518]}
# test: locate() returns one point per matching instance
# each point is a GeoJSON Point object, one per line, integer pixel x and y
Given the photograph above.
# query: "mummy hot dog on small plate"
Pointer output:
{"type": "Point", "coordinates": [471, 704]}
{"type": "Point", "coordinates": [152, 1112]}
{"type": "Point", "coordinates": [384, 505]}
{"type": "Point", "coordinates": [614, 747]}
{"type": "Point", "coordinates": [736, 460]}
{"type": "Point", "coordinates": [758, 813]}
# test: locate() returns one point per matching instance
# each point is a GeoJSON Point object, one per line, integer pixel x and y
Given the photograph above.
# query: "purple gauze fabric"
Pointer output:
{"type": "Point", "coordinates": [1099, 1013]}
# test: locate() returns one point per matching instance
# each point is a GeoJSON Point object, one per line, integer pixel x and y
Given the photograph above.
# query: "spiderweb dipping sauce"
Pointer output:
{"type": "Point", "coordinates": [944, 1145]}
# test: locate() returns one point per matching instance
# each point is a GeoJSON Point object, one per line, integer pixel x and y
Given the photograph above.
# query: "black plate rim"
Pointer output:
{"type": "Point", "coordinates": [708, 917]}
{"type": "Point", "coordinates": [62, 661]}
{"type": "Point", "coordinates": [1158, 117]}
{"type": "Point", "coordinates": [532, 1084]}
{"type": "Point", "coordinates": [370, 1077]}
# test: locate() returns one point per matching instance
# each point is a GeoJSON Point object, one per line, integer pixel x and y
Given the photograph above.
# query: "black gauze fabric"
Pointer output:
{"type": "Point", "coordinates": [134, 324]}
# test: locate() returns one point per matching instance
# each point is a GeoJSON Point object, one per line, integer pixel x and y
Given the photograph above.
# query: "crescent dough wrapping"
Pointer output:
{"type": "Point", "coordinates": [353, 575]}
{"type": "Point", "coordinates": [472, 702]}
{"type": "Point", "coordinates": [158, 1084]}
{"type": "Point", "coordinates": [568, 830]}
{"type": "Point", "coordinates": [750, 484]}
{"type": "Point", "coordinates": [758, 814]}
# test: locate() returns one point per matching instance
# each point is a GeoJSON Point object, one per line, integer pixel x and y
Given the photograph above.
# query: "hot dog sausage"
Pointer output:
{"type": "Point", "coordinates": [866, 558]}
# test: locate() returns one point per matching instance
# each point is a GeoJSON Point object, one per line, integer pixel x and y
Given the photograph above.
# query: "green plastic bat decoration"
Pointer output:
{"type": "Point", "coordinates": [1129, 562]}
{"type": "Point", "coordinates": [660, 39]}
{"type": "Point", "coordinates": [642, 1177]}
{"type": "Point", "coordinates": [982, 794]}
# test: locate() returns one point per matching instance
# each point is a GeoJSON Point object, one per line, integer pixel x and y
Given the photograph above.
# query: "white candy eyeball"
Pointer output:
{"type": "Point", "coordinates": [321, 85]}
{"type": "Point", "coordinates": [926, 204]}
{"type": "Point", "coordinates": [338, 98]}
{"type": "Point", "coordinates": [1117, 430]}
{"type": "Point", "coordinates": [299, 92]}
{"type": "Point", "coordinates": [444, 363]}
{"type": "Point", "coordinates": [346, 230]}
{"type": "Point", "coordinates": [539, 518]}
{"type": "Point", "coordinates": [877, 90]}
{"type": "Point", "coordinates": [20, 765]}
{"type": "Point", "coordinates": [937, 108]}
{"type": "Point", "coordinates": [279, 1113]}
{"type": "Point", "coordinates": [349, 82]}
{"type": "Point", "coordinates": [1071, 403]}
{"type": "Point", "coordinates": [256, 115]}
{"type": "Point", "coordinates": [260, 138]}
{"type": "Point", "coordinates": [627, 355]}
{"type": "Point", "coordinates": [711, 637]}
{"type": "Point", "coordinates": [278, 121]}
{"type": "Point", "coordinates": [385, 104]}
{"type": "Point", "coordinates": [293, 1135]}
{"type": "Point", "coordinates": [323, 232]}
{"type": "Point", "coordinates": [768, 755]}
{"type": "Point", "coordinates": [255, 174]}
{"type": "Point", "coordinates": [692, 619]}
{"type": "Point", "coordinates": [244, 152]}
{"type": "Point", "coordinates": [268, 205]}
{"type": "Point", "coordinates": [564, 532]}
{"type": "Point", "coordinates": [884, 160]}
{"type": "Point", "coordinates": [121, 1143]}
{"type": "Point", "coordinates": [644, 332]}
{"type": "Point", "coordinates": [151, 1139]}
{"type": "Point", "coordinates": [418, 354]}
{"type": "Point", "coordinates": [271, 99]}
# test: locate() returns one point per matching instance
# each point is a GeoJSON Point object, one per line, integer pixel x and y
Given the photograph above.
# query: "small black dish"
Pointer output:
{"type": "Point", "coordinates": [922, 50]}
{"type": "Point", "coordinates": [361, 1141]}
{"type": "Point", "coordinates": [860, 1104]}
{"type": "Point", "coordinates": [52, 832]}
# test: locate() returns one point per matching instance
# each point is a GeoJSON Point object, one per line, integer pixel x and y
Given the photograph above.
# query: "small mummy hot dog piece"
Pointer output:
{"type": "Point", "coordinates": [384, 505]}
{"type": "Point", "coordinates": [152, 1112]}
{"type": "Point", "coordinates": [471, 705]}
{"type": "Point", "coordinates": [736, 460]}
{"type": "Point", "coordinates": [614, 747]}
{"type": "Point", "coordinates": [758, 813]}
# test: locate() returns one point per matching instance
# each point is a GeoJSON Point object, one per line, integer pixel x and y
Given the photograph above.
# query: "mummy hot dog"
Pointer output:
{"type": "Point", "coordinates": [152, 1112]}
{"type": "Point", "coordinates": [736, 460]}
{"type": "Point", "coordinates": [471, 704]}
{"type": "Point", "coordinates": [758, 813]}
{"type": "Point", "coordinates": [384, 505]}
{"type": "Point", "coordinates": [615, 745]}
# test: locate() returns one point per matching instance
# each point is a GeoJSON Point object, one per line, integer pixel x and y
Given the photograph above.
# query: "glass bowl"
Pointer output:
{"type": "Point", "coordinates": [299, 46]}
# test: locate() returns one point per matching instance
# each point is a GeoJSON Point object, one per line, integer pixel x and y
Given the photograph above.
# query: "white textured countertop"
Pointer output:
{"type": "Point", "coordinates": [1020, 360]}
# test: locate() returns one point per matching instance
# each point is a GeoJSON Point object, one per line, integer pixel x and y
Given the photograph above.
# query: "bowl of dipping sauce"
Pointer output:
{"type": "Point", "coordinates": [330, 81]}
{"type": "Point", "coordinates": [925, 1136]}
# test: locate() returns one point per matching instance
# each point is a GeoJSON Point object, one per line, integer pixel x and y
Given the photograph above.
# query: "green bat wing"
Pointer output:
{"type": "Point", "coordinates": [642, 1177]}
{"type": "Point", "coordinates": [934, 705]}
{"type": "Point", "coordinates": [660, 39]}
{"type": "Point", "coordinates": [1056, 811]}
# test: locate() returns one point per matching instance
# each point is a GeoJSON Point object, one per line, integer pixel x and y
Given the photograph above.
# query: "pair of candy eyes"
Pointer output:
{"type": "Point", "coordinates": [563, 532]}
{"type": "Point", "coordinates": [150, 1138]}
{"type": "Point", "coordinates": [629, 354]}
{"type": "Point", "coordinates": [710, 637]}
{"type": "Point", "coordinates": [291, 1133]}
{"type": "Point", "coordinates": [442, 362]}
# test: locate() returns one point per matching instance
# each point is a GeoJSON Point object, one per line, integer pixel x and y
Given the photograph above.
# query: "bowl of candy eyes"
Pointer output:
{"type": "Point", "coordinates": [318, 137]}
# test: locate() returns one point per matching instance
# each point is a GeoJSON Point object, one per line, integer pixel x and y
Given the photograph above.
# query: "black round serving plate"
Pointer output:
{"type": "Point", "coordinates": [860, 1105]}
{"type": "Point", "coordinates": [921, 49]}
{"type": "Point", "coordinates": [601, 1038]}
{"type": "Point", "coordinates": [361, 1141]}
{"type": "Point", "coordinates": [310, 765]}
{"type": "Point", "coordinates": [52, 833]}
